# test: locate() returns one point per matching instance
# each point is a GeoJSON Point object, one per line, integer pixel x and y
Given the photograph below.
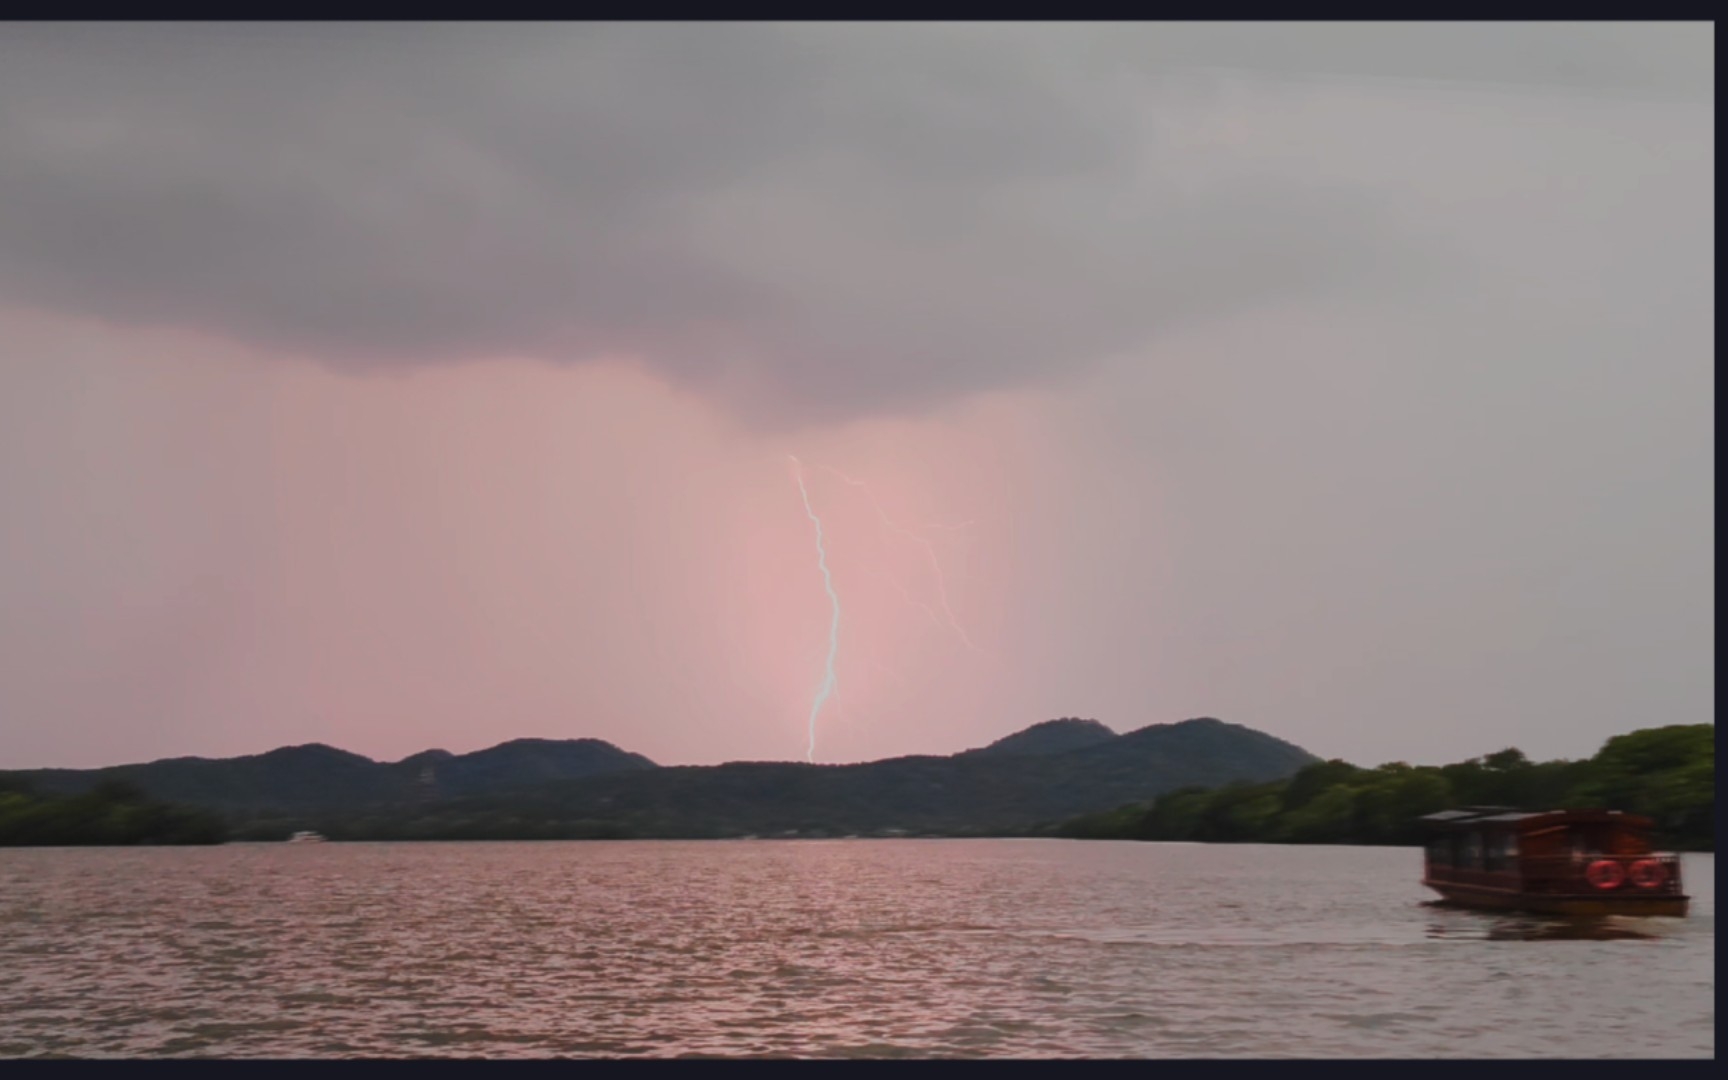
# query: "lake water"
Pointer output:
{"type": "Point", "coordinates": [846, 948]}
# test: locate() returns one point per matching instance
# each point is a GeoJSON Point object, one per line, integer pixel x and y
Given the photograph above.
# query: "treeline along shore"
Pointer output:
{"type": "Point", "coordinates": [1195, 780]}
{"type": "Point", "coordinates": [1665, 773]}
{"type": "Point", "coordinates": [112, 813]}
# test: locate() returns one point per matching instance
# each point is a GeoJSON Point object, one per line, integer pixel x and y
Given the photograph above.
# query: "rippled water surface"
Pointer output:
{"type": "Point", "coordinates": [818, 948]}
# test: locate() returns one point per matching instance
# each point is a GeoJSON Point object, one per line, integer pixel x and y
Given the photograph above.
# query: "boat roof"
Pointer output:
{"type": "Point", "coordinates": [1509, 817]}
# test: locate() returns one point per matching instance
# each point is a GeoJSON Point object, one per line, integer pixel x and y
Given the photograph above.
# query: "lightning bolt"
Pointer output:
{"type": "Point", "coordinates": [929, 550]}
{"type": "Point", "coordinates": [888, 671]}
{"type": "Point", "coordinates": [906, 594]}
{"type": "Point", "coordinates": [826, 688]}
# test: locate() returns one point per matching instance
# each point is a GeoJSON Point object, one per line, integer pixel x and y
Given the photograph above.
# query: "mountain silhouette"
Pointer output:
{"type": "Point", "coordinates": [1050, 737]}
{"type": "Point", "coordinates": [317, 778]}
{"type": "Point", "coordinates": [544, 788]}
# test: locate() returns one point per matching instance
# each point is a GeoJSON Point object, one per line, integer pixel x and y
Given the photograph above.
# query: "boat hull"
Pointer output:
{"type": "Point", "coordinates": [1488, 899]}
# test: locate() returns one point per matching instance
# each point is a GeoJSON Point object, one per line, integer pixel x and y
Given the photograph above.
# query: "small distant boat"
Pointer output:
{"type": "Point", "coordinates": [306, 836]}
{"type": "Point", "coordinates": [1551, 862]}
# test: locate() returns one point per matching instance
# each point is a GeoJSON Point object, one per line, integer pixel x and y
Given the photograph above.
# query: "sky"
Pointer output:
{"type": "Point", "coordinates": [403, 386]}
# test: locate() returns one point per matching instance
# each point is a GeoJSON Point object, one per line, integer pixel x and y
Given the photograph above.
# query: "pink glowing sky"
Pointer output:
{"type": "Point", "coordinates": [1412, 483]}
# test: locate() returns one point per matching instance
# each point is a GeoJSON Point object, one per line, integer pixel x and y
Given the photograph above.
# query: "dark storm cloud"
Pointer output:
{"type": "Point", "coordinates": [812, 221]}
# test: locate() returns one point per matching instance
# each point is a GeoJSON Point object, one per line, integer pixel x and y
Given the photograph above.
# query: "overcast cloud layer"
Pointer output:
{"type": "Point", "coordinates": [806, 222]}
{"type": "Point", "coordinates": [396, 386]}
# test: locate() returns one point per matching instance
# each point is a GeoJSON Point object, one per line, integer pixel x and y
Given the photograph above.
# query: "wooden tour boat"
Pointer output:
{"type": "Point", "coordinates": [1551, 862]}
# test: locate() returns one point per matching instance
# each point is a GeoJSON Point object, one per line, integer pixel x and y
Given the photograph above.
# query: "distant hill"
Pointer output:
{"type": "Point", "coordinates": [315, 778]}
{"type": "Point", "coordinates": [523, 762]}
{"type": "Point", "coordinates": [1050, 737]}
{"type": "Point", "coordinates": [586, 788]}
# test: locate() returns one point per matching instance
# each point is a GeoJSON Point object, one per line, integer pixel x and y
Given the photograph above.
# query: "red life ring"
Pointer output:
{"type": "Point", "coordinates": [1648, 873]}
{"type": "Point", "coordinates": [1605, 874]}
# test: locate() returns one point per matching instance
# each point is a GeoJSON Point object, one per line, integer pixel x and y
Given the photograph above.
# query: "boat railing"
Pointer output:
{"type": "Point", "coordinates": [1568, 874]}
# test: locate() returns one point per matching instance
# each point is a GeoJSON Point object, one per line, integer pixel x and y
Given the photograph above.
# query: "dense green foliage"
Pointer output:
{"type": "Point", "coordinates": [1665, 773]}
{"type": "Point", "coordinates": [113, 812]}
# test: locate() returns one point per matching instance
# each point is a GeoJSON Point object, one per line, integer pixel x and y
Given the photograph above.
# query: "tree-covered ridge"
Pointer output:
{"type": "Point", "coordinates": [112, 813]}
{"type": "Point", "coordinates": [314, 777]}
{"type": "Point", "coordinates": [539, 789]}
{"type": "Point", "coordinates": [1664, 773]}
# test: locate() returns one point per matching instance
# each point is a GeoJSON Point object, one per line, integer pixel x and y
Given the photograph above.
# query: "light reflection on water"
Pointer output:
{"type": "Point", "coordinates": [874, 948]}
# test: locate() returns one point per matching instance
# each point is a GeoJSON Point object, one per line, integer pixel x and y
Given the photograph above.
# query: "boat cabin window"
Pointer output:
{"type": "Point", "coordinates": [1472, 854]}
{"type": "Point", "coordinates": [1440, 851]}
{"type": "Point", "coordinates": [1587, 843]}
{"type": "Point", "coordinates": [1501, 851]}
{"type": "Point", "coordinates": [1469, 851]}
